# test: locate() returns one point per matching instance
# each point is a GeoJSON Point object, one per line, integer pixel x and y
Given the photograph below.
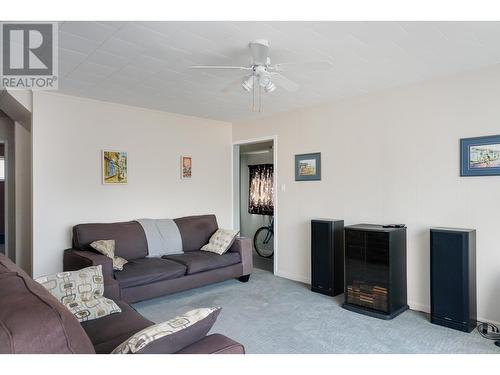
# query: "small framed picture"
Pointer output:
{"type": "Point", "coordinates": [114, 167]}
{"type": "Point", "coordinates": [480, 156]}
{"type": "Point", "coordinates": [186, 167]}
{"type": "Point", "coordinates": [308, 167]}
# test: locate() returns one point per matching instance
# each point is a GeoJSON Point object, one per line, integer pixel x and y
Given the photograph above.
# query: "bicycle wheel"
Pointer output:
{"type": "Point", "coordinates": [263, 242]}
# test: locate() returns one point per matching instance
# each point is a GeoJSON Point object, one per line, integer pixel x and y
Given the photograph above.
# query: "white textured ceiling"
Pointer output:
{"type": "Point", "coordinates": [147, 64]}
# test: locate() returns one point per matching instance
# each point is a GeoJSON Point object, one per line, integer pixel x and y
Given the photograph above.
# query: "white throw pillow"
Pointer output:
{"type": "Point", "coordinates": [107, 247]}
{"type": "Point", "coordinates": [221, 241]}
{"type": "Point", "coordinates": [81, 292]}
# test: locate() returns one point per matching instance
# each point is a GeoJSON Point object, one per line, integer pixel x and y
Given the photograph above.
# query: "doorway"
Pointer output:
{"type": "Point", "coordinates": [254, 198]}
{"type": "Point", "coordinates": [7, 187]}
{"type": "Point", "coordinates": [3, 201]}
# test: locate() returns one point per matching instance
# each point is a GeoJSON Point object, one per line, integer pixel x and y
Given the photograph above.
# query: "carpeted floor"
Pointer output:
{"type": "Point", "coordinates": [266, 264]}
{"type": "Point", "coordinates": [273, 315]}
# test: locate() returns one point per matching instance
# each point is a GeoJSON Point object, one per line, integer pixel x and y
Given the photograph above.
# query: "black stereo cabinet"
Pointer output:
{"type": "Point", "coordinates": [375, 270]}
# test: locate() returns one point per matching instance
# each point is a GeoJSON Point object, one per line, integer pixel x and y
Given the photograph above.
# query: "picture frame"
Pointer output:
{"type": "Point", "coordinates": [114, 166]}
{"type": "Point", "coordinates": [480, 156]}
{"type": "Point", "coordinates": [186, 167]}
{"type": "Point", "coordinates": [308, 167]}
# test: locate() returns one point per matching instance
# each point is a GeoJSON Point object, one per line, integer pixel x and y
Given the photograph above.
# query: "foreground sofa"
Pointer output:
{"type": "Point", "coordinates": [32, 321]}
{"type": "Point", "coordinates": [146, 277]}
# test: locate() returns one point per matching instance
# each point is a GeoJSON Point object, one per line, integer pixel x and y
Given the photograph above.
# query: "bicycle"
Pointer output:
{"type": "Point", "coordinates": [263, 240]}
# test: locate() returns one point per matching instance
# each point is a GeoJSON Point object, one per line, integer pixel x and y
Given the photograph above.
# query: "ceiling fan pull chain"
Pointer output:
{"type": "Point", "coordinates": [260, 99]}
{"type": "Point", "coordinates": [253, 98]}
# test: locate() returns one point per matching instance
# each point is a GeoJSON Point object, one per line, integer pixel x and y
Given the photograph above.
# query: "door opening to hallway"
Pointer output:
{"type": "Point", "coordinates": [256, 200]}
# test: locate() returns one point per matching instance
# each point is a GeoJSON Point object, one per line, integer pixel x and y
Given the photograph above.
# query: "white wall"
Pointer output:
{"type": "Point", "coordinates": [68, 136]}
{"type": "Point", "coordinates": [249, 223]}
{"type": "Point", "coordinates": [392, 157]}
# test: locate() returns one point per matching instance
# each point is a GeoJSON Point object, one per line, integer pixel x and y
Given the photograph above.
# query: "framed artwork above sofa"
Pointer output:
{"type": "Point", "coordinates": [114, 167]}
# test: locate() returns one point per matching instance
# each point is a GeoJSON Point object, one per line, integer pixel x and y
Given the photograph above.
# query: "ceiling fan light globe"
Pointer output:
{"type": "Point", "coordinates": [264, 80]}
{"type": "Point", "coordinates": [247, 83]}
{"type": "Point", "coordinates": [270, 87]}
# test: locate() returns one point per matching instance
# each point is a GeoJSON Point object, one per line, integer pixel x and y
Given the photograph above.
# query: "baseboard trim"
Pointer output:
{"type": "Point", "coordinates": [427, 309]}
{"type": "Point", "coordinates": [301, 279]}
{"type": "Point", "coordinates": [484, 320]}
{"type": "Point", "coordinates": [419, 307]}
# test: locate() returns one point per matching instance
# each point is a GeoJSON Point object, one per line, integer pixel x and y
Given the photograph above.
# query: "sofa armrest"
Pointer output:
{"type": "Point", "coordinates": [244, 246]}
{"type": "Point", "coordinates": [214, 344]}
{"type": "Point", "coordinates": [77, 259]}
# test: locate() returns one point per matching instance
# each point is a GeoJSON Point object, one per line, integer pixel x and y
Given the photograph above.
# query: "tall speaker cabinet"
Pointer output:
{"type": "Point", "coordinates": [375, 266]}
{"type": "Point", "coordinates": [453, 278]}
{"type": "Point", "coordinates": [327, 256]}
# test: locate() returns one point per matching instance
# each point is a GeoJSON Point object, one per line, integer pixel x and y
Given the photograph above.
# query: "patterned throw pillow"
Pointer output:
{"type": "Point", "coordinates": [81, 285]}
{"type": "Point", "coordinates": [81, 292]}
{"type": "Point", "coordinates": [221, 241]}
{"type": "Point", "coordinates": [171, 335]}
{"type": "Point", "coordinates": [93, 309]}
{"type": "Point", "coordinates": [107, 247]}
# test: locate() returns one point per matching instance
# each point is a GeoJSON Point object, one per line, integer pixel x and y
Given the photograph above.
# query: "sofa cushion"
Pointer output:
{"type": "Point", "coordinates": [172, 335]}
{"type": "Point", "coordinates": [148, 270]}
{"type": "Point", "coordinates": [199, 261]}
{"type": "Point", "coordinates": [196, 230]}
{"type": "Point", "coordinates": [32, 320]}
{"type": "Point", "coordinates": [130, 240]}
{"type": "Point", "coordinates": [110, 331]}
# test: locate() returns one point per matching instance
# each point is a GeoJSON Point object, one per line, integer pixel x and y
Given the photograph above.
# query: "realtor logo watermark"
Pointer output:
{"type": "Point", "coordinates": [29, 58]}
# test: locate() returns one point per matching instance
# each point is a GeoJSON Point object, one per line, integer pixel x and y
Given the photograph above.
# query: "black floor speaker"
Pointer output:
{"type": "Point", "coordinates": [327, 256]}
{"type": "Point", "coordinates": [453, 278]}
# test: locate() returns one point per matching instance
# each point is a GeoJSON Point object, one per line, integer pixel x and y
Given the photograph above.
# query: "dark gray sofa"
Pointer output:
{"type": "Point", "coordinates": [143, 277]}
{"type": "Point", "coordinates": [32, 321]}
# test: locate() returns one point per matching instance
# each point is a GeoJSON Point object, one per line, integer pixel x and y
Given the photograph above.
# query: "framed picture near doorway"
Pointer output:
{"type": "Point", "coordinates": [186, 167]}
{"type": "Point", "coordinates": [308, 167]}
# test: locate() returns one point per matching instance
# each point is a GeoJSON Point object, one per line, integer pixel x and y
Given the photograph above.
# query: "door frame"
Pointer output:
{"type": "Point", "coordinates": [5, 197]}
{"type": "Point", "coordinates": [235, 187]}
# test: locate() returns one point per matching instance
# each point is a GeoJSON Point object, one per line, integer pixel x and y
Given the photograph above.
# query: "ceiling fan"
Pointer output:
{"type": "Point", "coordinates": [262, 74]}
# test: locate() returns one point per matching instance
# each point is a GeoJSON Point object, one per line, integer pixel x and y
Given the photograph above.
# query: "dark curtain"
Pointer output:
{"type": "Point", "coordinates": [260, 197]}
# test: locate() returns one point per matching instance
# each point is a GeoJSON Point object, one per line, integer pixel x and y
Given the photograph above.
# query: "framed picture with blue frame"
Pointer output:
{"type": "Point", "coordinates": [480, 156]}
{"type": "Point", "coordinates": [308, 167]}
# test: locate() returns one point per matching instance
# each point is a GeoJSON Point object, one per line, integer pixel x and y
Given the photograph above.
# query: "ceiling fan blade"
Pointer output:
{"type": "Point", "coordinates": [260, 51]}
{"type": "Point", "coordinates": [284, 82]}
{"type": "Point", "coordinates": [310, 65]}
{"type": "Point", "coordinates": [220, 67]}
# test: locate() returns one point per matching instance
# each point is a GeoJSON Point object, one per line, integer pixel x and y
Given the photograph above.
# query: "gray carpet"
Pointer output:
{"type": "Point", "coordinates": [266, 264]}
{"type": "Point", "coordinates": [274, 315]}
